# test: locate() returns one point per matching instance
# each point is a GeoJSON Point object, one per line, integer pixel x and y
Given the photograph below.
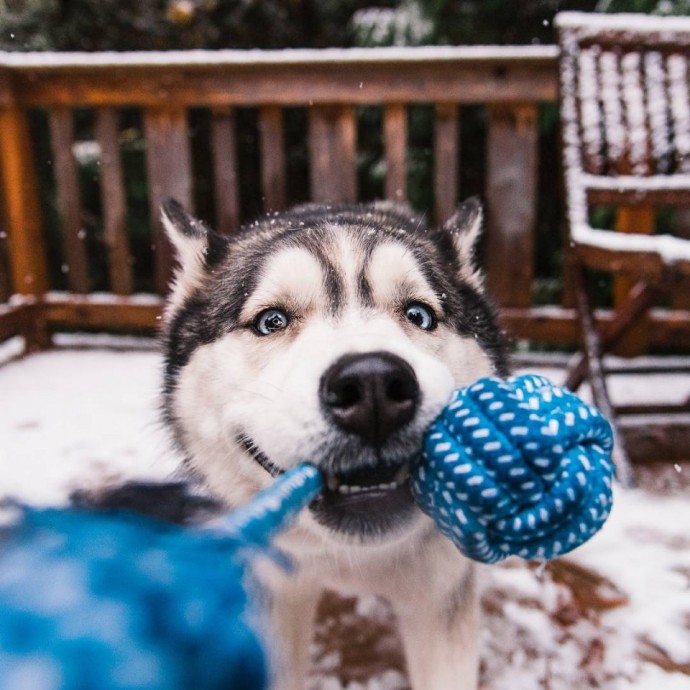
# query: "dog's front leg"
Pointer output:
{"type": "Point", "coordinates": [439, 629]}
{"type": "Point", "coordinates": [292, 610]}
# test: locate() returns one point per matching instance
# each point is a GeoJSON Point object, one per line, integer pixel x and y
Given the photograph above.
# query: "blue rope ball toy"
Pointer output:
{"type": "Point", "coordinates": [516, 467]}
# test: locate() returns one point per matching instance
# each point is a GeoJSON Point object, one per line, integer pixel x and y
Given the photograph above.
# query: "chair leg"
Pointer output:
{"type": "Point", "coordinates": [593, 365]}
{"type": "Point", "coordinates": [641, 297]}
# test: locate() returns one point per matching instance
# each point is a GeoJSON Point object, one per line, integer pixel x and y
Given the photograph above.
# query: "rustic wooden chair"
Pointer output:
{"type": "Point", "coordinates": [625, 114]}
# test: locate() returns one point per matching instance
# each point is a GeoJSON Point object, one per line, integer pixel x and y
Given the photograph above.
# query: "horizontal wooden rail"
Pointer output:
{"type": "Point", "coordinates": [307, 77]}
{"type": "Point", "coordinates": [16, 319]}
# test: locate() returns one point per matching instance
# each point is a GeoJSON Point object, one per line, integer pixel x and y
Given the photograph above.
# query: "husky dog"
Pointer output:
{"type": "Point", "coordinates": [335, 334]}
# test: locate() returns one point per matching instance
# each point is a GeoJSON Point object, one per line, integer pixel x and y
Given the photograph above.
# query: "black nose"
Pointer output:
{"type": "Point", "coordinates": [370, 395]}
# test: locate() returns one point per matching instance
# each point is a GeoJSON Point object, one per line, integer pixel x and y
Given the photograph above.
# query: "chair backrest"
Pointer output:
{"type": "Point", "coordinates": [625, 110]}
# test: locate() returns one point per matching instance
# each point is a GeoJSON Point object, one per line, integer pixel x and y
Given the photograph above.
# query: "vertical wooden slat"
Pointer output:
{"type": "Point", "coordinates": [395, 143]}
{"type": "Point", "coordinates": [511, 198]}
{"type": "Point", "coordinates": [68, 200]}
{"type": "Point", "coordinates": [590, 114]}
{"type": "Point", "coordinates": [169, 169]}
{"type": "Point", "coordinates": [225, 189]}
{"type": "Point", "coordinates": [5, 277]}
{"type": "Point", "coordinates": [638, 219]}
{"type": "Point", "coordinates": [19, 187]}
{"type": "Point", "coordinates": [679, 95]}
{"type": "Point", "coordinates": [614, 130]}
{"type": "Point", "coordinates": [446, 160]}
{"type": "Point", "coordinates": [113, 202]}
{"type": "Point", "coordinates": [680, 299]}
{"type": "Point", "coordinates": [332, 153]}
{"type": "Point", "coordinates": [272, 158]}
{"type": "Point", "coordinates": [638, 148]}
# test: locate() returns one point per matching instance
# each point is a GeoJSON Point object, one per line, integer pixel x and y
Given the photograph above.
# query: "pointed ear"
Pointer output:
{"type": "Point", "coordinates": [464, 228]}
{"type": "Point", "coordinates": [189, 236]}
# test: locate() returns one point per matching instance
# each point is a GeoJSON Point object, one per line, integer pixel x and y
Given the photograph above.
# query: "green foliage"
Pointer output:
{"type": "Point", "coordinates": [174, 24]}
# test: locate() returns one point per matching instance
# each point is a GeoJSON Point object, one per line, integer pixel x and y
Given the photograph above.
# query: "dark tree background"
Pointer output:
{"type": "Point", "coordinates": [179, 24]}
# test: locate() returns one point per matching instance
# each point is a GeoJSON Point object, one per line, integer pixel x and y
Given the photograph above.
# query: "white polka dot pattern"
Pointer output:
{"type": "Point", "coordinates": [516, 467]}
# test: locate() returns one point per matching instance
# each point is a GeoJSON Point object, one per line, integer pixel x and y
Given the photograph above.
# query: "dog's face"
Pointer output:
{"type": "Point", "coordinates": [327, 335]}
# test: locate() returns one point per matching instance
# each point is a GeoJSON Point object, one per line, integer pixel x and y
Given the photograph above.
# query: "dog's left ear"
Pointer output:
{"type": "Point", "coordinates": [464, 228]}
{"type": "Point", "coordinates": [189, 236]}
{"type": "Point", "coordinates": [197, 247]}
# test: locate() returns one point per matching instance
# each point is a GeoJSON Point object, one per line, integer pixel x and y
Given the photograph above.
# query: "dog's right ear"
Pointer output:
{"type": "Point", "coordinates": [189, 236]}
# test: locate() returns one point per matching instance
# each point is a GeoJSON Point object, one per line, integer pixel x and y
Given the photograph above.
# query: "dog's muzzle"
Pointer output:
{"type": "Point", "coordinates": [371, 398]}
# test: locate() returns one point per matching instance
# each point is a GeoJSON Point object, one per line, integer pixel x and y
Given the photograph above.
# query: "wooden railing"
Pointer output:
{"type": "Point", "coordinates": [510, 83]}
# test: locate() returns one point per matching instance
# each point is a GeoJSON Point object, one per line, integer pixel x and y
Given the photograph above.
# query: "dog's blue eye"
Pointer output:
{"type": "Point", "coordinates": [421, 316]}
{"type": "Point", "coordinates": [270, 321]}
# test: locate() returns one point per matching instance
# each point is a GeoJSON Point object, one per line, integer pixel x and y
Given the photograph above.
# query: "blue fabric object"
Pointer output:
{"type": "Point", "coordinates": [516, 467]}
{"type": "Point", "coordinates": [106, 601]}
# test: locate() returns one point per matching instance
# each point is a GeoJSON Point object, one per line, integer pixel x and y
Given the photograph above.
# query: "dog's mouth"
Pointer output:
{"type": "Point", "coordinates": [364, 501]}
{"type": "Point", "coordinates": [368, 501]}
{"type": "Point", "coordinates": [367, 480]}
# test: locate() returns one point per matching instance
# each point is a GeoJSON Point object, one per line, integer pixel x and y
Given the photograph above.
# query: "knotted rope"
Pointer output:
{"type": "Point", "coordinates": [517, 467]}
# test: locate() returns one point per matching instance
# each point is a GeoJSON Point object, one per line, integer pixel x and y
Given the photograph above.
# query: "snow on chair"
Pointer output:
{"type": "Point", "coordinates": [625, 111]}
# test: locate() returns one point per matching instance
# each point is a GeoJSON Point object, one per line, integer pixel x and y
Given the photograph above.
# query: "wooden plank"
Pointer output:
{"type": "Point", "coordinates": [332, 152]}
{"type": "Point", "coordinates": [656, 439]}
{"type": "Point", "coordinates": [636, 340]}
{"type": "Point", "coordinates": [554, 325]}
{"type": "Point", "coordinates": [17, 320]}
{"type": "Point", "coordinates": [225, 178]}
{"type": "Point", "coordinates": [5, 278]}
{"type": "Point", "coordinates": [461, 75]}
{"type": "Point", "coordinates": [113, 202]}
{"type": "Point", "coordinates": [27, 258]}
{"type": "Point", "coordinates": [61, 123]}
{"type": "Point", "coordinates": [131, 314]}
{"type": "Point", "coordinates": [169, 169]}
{"type": "Point", "coordinates": [638, 301]}
{"type": "Point", "coordinates": [272, 146]}
{"type": "Point", "coordinates": [446, 160]}
{"type": "Point", "coordinates": [395, 145]}
{"type": "Point", "coordinates": [511, 202]}
{"type": "Point", "coordinates": [680, 295]}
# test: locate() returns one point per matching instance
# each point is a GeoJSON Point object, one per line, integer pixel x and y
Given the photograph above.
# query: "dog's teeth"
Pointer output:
{"type": "Point", "coordinates": [331, 482]}
{"type": "Point", "coordinates": [402, 474]}
{"type": "Point", "coordinates": [344, 489]}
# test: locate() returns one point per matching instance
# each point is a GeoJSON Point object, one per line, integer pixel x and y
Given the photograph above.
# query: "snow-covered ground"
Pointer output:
{"type": "Point", "coordinates": [614, 615]}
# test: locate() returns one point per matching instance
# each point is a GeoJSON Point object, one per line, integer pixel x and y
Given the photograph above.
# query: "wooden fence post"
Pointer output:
{"type": "Point", "coordinates": [169, 167]}
{"type": "Point", "coordinates": [511, 197]}
{"type": "Point", "coordinates": [27, 257]}
{"type": "Point", "coordinates": [332, 153]}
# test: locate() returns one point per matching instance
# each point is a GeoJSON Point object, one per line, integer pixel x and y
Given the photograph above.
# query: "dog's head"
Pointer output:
{"type": "Point", "coordinates": [332, 335]}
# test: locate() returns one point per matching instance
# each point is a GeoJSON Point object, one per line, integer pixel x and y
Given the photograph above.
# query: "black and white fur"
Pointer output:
{"type": "Point", "coordinates": [262, 331]}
